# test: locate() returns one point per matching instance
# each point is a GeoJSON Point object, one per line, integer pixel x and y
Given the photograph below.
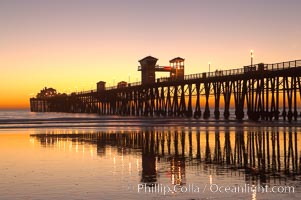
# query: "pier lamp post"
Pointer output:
{"type": "Point", "coordinates": [129, 77]}
{"type": "Point", "coordinates": [209, 66]}
{"type": "Point", "coordinates": [252, 56]}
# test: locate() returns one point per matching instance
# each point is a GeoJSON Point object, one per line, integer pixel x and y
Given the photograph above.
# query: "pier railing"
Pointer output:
{"type": "Point", "coordinates": [267, 67]}
{"type": "Point", "coordinates": [217, 73]}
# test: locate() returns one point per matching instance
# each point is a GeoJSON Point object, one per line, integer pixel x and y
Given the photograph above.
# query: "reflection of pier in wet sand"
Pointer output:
{"type": "Point", "coordinates": [260, 154]}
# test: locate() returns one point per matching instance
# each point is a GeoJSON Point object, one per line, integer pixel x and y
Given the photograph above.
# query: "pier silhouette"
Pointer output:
{"type": "Point", "coordinates": [258, 92]}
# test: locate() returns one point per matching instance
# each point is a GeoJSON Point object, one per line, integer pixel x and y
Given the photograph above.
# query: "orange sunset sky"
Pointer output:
{"type": "Point", "coordinates": [71, 44]}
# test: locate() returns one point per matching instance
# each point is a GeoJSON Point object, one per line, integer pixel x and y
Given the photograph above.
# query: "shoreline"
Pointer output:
{"type": "Point", "coordinates": [120, 123]}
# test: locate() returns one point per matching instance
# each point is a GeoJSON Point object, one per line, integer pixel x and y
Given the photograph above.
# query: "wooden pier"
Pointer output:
{"type": "Point", "coordinates": [259, 92]}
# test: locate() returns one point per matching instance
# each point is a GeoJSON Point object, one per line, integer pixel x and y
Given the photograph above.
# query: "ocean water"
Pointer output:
{"type": "Point", "coordinates": [86, 156]}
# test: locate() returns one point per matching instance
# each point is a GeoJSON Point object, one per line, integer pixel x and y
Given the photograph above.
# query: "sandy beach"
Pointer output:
{"type": "Point", "coordinates": [87, 157]}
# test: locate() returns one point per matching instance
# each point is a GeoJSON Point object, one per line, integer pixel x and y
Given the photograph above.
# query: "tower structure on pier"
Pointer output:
{"type": "Point", "coordinates": [149, 68]}
{"type": "Point", "coordinates": [101, 86]}
{"type": "Point", "coordinates": [177, 68]}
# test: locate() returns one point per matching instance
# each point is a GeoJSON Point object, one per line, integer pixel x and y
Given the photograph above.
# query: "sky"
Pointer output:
{"type": "Point", "coordinates": [72, 44]}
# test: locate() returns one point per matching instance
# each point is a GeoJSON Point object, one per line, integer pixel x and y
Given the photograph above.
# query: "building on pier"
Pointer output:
{"type": "Point", "coordinates": [122, 84]}
{"type": "Point", "coordinates": [149, 68]}
{"type": "Point", "coordinates": [101, 86]}
{"type": "Point", "coordinates": [47, 92]}
{"type": "Point", "coordinates": [177, 68]}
